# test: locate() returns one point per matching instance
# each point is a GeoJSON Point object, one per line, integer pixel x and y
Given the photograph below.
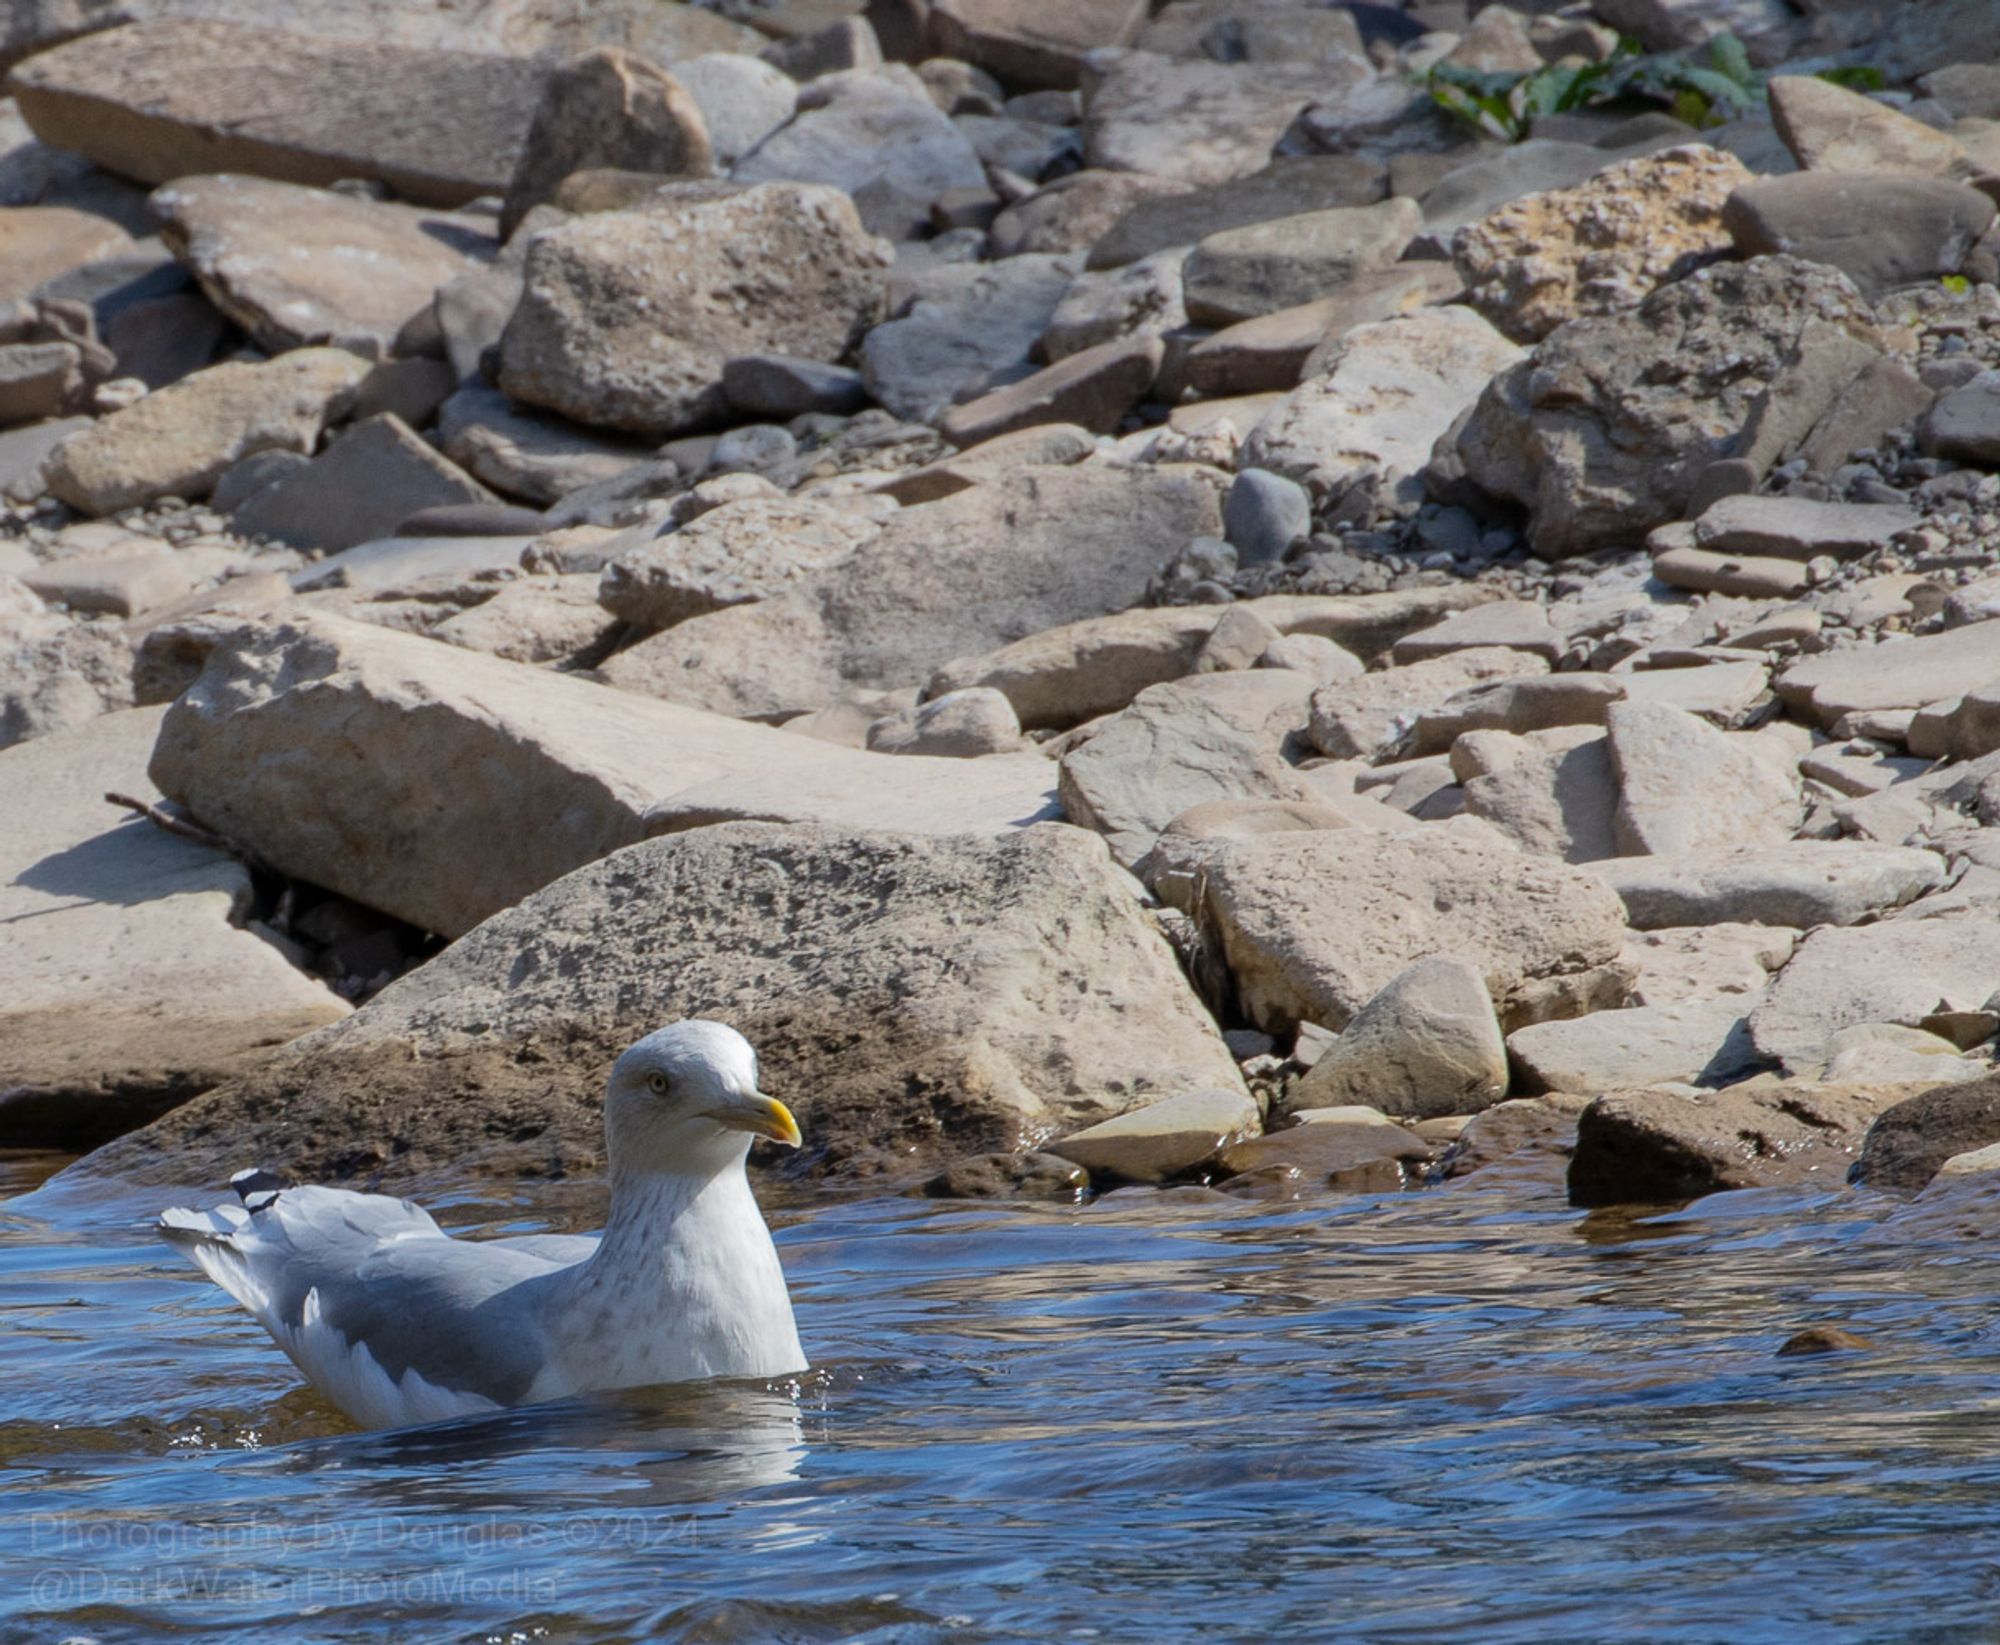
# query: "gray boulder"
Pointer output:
{"type": "Point", "coordinates": [1210, 737]}
{"type": "Point", "coordinates": [627, 318]}
{"type": "Point", "coordinates": [876, 136]}
{"type": "Point", "coordinates": [606, 110]}
{"type": "Point", "coordinates": [1427, 1044]}
{"type": "Point", "coordinates": [1603, 430]}
{"type": "Point", "coordinates": [1691, 1041]}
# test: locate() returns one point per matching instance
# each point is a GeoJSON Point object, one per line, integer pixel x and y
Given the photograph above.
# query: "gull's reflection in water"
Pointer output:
{"type": "Point", "coordinates": [686, 1443]}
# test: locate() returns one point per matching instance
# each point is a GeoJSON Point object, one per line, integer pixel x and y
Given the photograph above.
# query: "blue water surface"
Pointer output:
{"type": "Point", "coordinates": [1445, 1416]}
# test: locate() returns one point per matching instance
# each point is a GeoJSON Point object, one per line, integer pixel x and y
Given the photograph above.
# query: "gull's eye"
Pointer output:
{"type": "Point", "coordinates": [658, 1084]}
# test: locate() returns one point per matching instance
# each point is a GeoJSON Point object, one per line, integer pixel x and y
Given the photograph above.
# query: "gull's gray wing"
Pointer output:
{"type": "Point", "coordinates": [390, 1317]}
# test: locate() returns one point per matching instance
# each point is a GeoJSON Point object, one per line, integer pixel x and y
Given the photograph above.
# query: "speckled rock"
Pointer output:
{"type": "Point", "coordinates": [1601, 246]}
{"type": "Point", "coordinates": [915, 998]}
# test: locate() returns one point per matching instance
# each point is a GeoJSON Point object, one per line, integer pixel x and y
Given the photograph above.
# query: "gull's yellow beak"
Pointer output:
{"type": "Point", "coordinates": [761, 1116]}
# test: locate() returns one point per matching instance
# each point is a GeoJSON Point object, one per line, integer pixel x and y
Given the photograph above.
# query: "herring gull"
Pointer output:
{"type": "Point", "coordinates": [395, 1321]}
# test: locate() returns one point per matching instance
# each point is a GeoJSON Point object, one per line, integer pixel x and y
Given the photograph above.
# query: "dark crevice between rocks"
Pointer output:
{"type": "Point", "coordinates": [75, 1118]}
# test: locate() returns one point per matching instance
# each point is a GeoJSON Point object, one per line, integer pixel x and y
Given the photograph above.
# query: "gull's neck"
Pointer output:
{"type": "Point", "coordinates": [650, 1208]}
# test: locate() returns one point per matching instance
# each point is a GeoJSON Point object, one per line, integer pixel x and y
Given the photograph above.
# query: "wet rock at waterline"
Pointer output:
{"type": "Point", "coordinates": [1649, 1147]}
{"type": "Point", "coordinates": [913, 998]}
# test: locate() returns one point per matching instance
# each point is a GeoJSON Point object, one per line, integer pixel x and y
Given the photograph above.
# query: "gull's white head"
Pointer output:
{"type": "Point", "coordinates": [685, 1100]}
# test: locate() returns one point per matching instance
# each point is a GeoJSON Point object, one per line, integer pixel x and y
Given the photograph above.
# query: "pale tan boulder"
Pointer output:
{"type": "Point", "coordinates": [127, 983]}
{"type": "Point", "coordinates": [441, 785]}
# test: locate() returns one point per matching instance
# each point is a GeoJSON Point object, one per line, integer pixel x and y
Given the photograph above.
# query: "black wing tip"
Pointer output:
{"type": "Point", "coordinates": [257, 1179]}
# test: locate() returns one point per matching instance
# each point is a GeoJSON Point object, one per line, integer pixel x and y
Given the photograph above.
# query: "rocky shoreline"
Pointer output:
{"type": "Point", "coordinates": [1306, 599]}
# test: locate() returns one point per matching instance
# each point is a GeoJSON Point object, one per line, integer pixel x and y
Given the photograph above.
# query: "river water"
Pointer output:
{"type": "Point", "coordinates": [1472, 1415]}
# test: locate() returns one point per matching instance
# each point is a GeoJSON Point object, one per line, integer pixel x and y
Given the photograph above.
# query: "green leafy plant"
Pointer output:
{"type": "Point", "coordinates": [1701, 86]}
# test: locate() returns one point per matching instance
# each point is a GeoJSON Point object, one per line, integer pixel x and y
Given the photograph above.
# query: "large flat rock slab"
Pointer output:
{"type": "Point", "coordinates": [126, 982]}
{"type": "Point", "coordinates": [295, 266]}
{"type": "Point", "coordinates": [179, 441]}
{"type": "Point", "coordinates": [1898, 673]}
{"type": "Point", "coordinates": [1314, 925]}
{"type": "Point", "coordinates": [1799, 883]}
{"type": "Point", "coordinates": [1689, 1040]}
{"type": "Point", "coordinates": [441, 785]}
{"type": "Point", "coordinates": [966, 574]}
{"type": "Point", "coordinates": [1897, 971]}
{"type": "Point", "coordinates": [911, 997]}
{"type": "Point", "coordinates": [160, 100]}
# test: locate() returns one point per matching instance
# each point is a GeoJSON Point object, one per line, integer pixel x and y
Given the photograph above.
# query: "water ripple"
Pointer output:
{"type": "Point", "coordinates": [1433, 1417]}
